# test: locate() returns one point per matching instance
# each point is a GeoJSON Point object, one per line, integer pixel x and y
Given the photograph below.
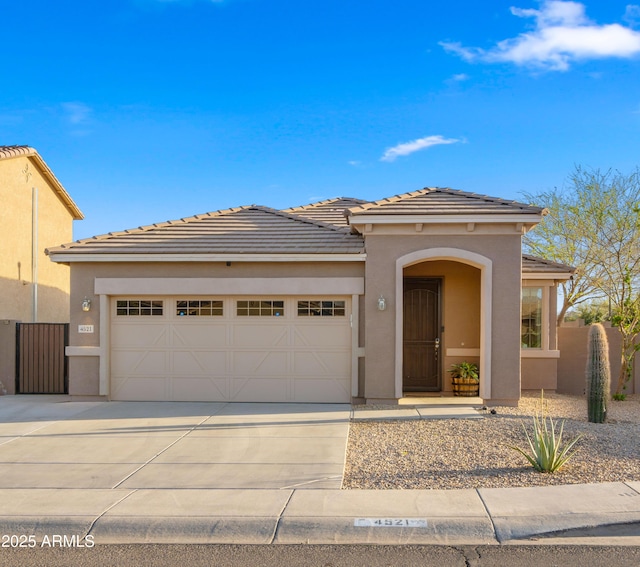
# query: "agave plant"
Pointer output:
{"type": "Point", "coordinates": [547, 452]}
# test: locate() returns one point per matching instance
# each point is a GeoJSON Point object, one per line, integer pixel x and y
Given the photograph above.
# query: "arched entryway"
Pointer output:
{"type": "Point", "coordinates": [443, 315]}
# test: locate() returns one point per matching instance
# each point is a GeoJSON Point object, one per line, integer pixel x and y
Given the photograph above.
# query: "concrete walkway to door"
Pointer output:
{"type": "Point", "coordinates": [49, 442]}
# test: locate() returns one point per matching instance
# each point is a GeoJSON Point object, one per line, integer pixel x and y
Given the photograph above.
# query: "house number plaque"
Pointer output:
{"type": "Point", "coordinates": [390, 523]}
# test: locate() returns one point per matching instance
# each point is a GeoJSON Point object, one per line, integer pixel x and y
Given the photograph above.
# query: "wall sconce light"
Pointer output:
{"type": "Point", "coordinates": [382, 303]}
{"type": "Point", "coordinates": [86, 304]}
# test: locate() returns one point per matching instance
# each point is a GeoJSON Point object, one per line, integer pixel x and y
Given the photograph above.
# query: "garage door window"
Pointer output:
{"type": "Point", "coordinates": [199, 308]}
{"type": "Point", "coordinates": [138, 307]}
{"type": "Point", "coordinates": [260, 308]}
{"type": "Point", "coordinates": [321, 308]}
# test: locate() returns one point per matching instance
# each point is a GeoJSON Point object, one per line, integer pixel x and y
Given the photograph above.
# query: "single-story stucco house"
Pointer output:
{"type": "Point", "coordinates": [330, 302]}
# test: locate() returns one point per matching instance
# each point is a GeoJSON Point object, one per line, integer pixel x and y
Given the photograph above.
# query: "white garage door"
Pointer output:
{"type": "Point", "coordinates": [249, 349]}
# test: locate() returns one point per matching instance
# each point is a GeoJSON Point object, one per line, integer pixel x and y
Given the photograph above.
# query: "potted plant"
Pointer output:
{"type": "Point", "coordinates": [465, 379]}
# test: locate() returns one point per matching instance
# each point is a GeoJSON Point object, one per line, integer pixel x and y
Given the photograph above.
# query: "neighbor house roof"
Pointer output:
{"type": "Point", "coordinates": [8, 152]}
{"type": "Point", "coordinates": [443, 201]}
{"type": "Point", "coordinates": [332, 211]}
{"type": "Point", "coordinates": [533, 264]}
{"type": "Point", "coordinates": [240, 231]}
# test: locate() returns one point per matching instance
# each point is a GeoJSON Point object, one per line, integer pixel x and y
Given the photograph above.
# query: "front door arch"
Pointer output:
{"type": "Point", "coordinates": [484, 264]}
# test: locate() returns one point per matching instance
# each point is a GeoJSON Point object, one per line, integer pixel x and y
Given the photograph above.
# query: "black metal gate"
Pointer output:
{"type": "Point", "coordinates": [41, 364]}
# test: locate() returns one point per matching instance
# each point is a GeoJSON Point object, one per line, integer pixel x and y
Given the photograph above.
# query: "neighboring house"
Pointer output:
{"type": "Point", "coordinates": [329, 302]}
{"type": "Point", "coordinates": [36, 213]}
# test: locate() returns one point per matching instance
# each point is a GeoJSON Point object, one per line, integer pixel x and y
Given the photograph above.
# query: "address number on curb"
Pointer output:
{"type": "Point", "coordinates": [390, 523]}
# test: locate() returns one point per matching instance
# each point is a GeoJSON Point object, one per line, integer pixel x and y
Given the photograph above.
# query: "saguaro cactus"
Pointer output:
{"type": "Point", "coordinates": [598, 374]}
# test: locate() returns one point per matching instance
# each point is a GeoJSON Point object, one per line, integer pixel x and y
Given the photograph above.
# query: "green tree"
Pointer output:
{"type": "Point", "coordinates": [590, 312]}
{"type": "Point", "coordinates": [593, 224]}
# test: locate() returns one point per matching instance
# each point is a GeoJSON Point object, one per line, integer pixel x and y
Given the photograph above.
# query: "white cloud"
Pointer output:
{"type": "Point", "coordinates": [632, 14]}
{"type": "Point", "coordinates": [407, 148]}
{"type": "Point", "coordinates": [562, 34]}
{"type": "Point", "coordinates": [76, 112]}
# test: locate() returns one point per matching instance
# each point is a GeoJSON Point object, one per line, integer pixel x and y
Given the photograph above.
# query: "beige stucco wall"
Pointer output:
{"type": "Point", "coordinates": [573, 344]}
{"type": "Point", "coordinates": [504, 251]}
{"type": "Point", "coordinates": [84, 370]}
{"type": "Point", "coordinates": [539, 373]}
{"type": "Point", "coordinates": [18, 177]}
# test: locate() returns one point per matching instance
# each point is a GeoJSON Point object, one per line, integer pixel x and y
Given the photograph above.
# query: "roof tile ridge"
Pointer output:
{"type": "Point", "coordinates": [305, 220]}
{"type": "Point", "coordinates": [324, 202]}
{"type": "Point", "coordinates": [394, 198]}
{"type": "Point", "coordinates": [211, 214]}
{"type": "Point", "coordinates": [490, 199]}
{"type": "Point", "coordinates": [16, 150]}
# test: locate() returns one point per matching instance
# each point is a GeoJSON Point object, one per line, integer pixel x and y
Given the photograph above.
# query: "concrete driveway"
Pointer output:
{"type": "Point", "coordinates": [49, 442]}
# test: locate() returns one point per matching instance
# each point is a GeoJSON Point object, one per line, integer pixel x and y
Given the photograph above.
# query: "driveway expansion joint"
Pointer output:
{"type": "Point", "coordinates": [276, 527]}
{"type": "Point", "coordinates": [107, 509]}
{"type": "Point", "coordinates": [160, 452]}
{"type": "Point", "coordinates": [486, 509]}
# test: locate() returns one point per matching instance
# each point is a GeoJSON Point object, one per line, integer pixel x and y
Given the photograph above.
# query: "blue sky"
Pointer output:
{"type": "Point", "coordinates": [149, 110]}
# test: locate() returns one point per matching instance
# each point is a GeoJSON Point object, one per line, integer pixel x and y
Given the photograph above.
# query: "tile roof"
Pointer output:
{"type": "Point", "coordinates": [332, 211]}
{"type": "Point", "coordinates": [7, 152]}
{"type": "Point", "coordinates": [317, 228]}
{"type": "Point", "coordinates": [443, 201]}
{"type": "Point", "coordinates": [531, 264]}
{"type": "Point", "coordinates": [244, 230]}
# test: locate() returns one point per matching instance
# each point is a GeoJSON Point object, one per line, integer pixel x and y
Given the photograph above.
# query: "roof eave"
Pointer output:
{"type": "Point", "coordinates": [556, 276]}
{"type": "Point", "coordinates": [525, 218]}
{"type": "Point", "coordinates": [62, 256]}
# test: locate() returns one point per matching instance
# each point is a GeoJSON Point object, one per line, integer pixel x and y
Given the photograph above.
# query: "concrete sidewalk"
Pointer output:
{"type": "Point", "coordinates": [326, 516]}
{"type": "Point", "coordinates": [255, 473]}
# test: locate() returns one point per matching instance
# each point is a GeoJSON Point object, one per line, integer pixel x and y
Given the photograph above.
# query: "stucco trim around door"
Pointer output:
{"type": "Point", "coordinates": [484, 264]}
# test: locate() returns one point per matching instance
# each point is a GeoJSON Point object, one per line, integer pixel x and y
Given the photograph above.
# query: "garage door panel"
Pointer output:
{"type": "Point", "coordinates": [139, 388]}
{"type": "Point", "coordinates": [257, 334]}
{"type": "Point", "coordinates": [321, 364]}
{"type": "Point", "coordinates": [259, 363]}
{"type": "Point", "coordinates": [205, 363]}
{"type": "Point", "coordinates": [151, 363]}
{"type": "Point", "coordinates": [139, 336]}
{"type": "Point", "coordinates": [202, 335]}
{"type": "Point", "coordinates": [232, 357]}
{"type": "Point", "coordinates": [250, 389]}
{"type": "Point", "coordinates": [320, 391]}
{"type": "Point", "coordinates": [325, 335]}
{"type": "Point", "coordinates": [198, 388]}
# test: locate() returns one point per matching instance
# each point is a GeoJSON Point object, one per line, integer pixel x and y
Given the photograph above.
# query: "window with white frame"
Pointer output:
{"type": "Point", "coordinates": [321, 308]}
{"type": "Point", "coordinates": [138, 307]}
{"type": "Point", "coordinates": [531, 328]}
{"type": "Point", "coordinates": [260, 308]}
{"type": "Point", "coordinates": [199, 308]}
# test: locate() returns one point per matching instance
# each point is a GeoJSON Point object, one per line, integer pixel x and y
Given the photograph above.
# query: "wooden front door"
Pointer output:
{"type": "Point", "coordinates": [421, 335]}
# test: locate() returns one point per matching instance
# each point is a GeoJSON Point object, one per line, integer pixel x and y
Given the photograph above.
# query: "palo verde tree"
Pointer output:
{"type": "Point", "coordinates": [593, 224]}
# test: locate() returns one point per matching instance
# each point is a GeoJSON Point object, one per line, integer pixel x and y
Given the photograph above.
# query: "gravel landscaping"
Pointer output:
{"type": "Point", "coordinates": [475, 453]}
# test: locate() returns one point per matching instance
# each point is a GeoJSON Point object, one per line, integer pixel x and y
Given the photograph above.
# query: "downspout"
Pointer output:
{"type": "Point", "coordinates": [34, 251]}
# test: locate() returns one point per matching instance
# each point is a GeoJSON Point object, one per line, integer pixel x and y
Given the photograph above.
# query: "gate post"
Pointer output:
{"type": "Point", "coordinates": [8, 355]}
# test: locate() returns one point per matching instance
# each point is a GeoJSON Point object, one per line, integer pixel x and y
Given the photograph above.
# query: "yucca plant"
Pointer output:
{"type": "Point", "coordinates": [547, 453]}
